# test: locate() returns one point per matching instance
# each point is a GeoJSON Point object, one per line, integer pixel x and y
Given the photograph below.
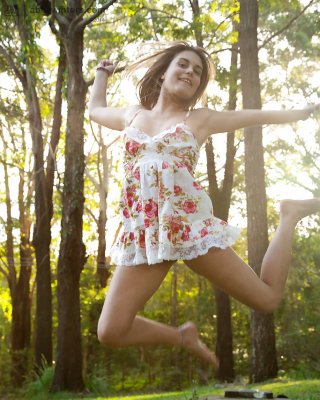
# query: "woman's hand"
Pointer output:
{"type": "Point", "coordinates": [107, 66]}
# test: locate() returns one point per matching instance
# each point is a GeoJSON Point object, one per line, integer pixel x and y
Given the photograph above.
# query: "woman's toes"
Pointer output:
{"type": "Point", "coordinates": [191, 342]}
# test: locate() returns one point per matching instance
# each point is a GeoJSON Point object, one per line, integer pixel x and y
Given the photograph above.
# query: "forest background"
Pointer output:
{"type": "Point", "coordinates": [62, 178]}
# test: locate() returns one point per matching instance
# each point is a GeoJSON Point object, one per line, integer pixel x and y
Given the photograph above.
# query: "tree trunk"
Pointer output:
{"type": "Point", "coordinates": [263, 351]}
{"type": "Point", "coordinates": [68, 371]}
{"type": "Point", "coordinates": [221, 203]}
{"type": "Point", "coordinates": [41, 235]}
{"type": "Point", "coordinates": [102, 272]}
{"type": "Point", "coordinates": [19, 288]}
{"type": "Point", "coordinates": [221, 199]}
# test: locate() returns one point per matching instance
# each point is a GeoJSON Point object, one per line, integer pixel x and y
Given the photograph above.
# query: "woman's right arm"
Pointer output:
{"type": "Point", "coordinates": [99, 112]}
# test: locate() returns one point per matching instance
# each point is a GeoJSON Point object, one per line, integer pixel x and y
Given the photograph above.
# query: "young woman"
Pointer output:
{"type": "Point", "coordinates": [166, 215]}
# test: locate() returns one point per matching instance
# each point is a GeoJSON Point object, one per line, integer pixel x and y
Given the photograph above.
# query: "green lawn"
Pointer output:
{"type": "Point", "coordinates": [294, 389]}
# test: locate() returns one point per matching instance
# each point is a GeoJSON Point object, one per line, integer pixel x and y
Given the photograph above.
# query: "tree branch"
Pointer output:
{"type": "Point", "coordinates": [100, 10]}
{"type": "Point", "coordinates": [12, 64]}
{"type": "Point", "coordinates": [91, 214]}
{"type": "Point", "coordinates": [92, 179]}
{"type": "Point", "coordinates": [165, 13]}
{"type": "Point", "coordinates": [3, 271]}
{"type": "Point", "coordinates": [286, 26]}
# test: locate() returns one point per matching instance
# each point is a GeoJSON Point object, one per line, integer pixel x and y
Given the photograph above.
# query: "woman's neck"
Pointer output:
{"type": "Point", "coordinates": [169, 106]}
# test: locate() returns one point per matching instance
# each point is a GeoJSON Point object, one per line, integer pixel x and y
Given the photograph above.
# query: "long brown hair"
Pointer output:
{"type": "Point", "coordinates": [150, 85]}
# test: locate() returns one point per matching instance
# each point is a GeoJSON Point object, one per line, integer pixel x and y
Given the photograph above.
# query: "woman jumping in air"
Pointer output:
{"type": "Point", "coordinates": [166, 215]}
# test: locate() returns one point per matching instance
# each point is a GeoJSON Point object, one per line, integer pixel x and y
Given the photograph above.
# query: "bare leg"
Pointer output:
{"type": "Point", "coordinates": [232, 275]}
{"type": "Point", "coordinates": [276, 262]}
{"type": "Point", "coordinates": [130, 289]}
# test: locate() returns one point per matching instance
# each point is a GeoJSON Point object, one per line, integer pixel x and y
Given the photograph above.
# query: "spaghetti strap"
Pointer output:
{"type": "Point", "coordinates": [134, 115]}
{"type": "Point", "coordinates": [186, 117]}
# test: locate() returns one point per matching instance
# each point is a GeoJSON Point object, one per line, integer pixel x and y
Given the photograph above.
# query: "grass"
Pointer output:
{"type": "Point", "coordinates": [294, 389]}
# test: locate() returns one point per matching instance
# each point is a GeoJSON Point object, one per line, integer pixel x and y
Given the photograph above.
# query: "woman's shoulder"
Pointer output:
{"type": "Point", "coordinates": [203, 112]}
{"type": "Point", "coordinates": [198, 122]}
{"type": "Point", "coordinates": [198, 117]}
{"type": "Point", "coordinates": [131, 112]}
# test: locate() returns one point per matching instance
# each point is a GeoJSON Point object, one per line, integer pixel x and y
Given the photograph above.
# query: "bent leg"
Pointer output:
{"type": "Point", "coordinates": [130, 289]}
{"type": "Point", "coordinates": [226, 270]}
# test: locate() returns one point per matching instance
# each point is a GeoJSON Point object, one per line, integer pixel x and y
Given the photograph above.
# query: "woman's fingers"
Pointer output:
{"type": "Point", "coordinates": [108, 65]}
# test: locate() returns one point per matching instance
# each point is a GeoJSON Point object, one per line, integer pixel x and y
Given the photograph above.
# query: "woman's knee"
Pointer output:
{"type": "Point", "coordinates": [112, 333]}
{"type": "Point", "coordinates": [267, 304]}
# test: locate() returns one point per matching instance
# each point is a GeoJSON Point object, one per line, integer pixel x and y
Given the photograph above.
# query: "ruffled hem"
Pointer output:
{"type": "Point", "coordinates": [131, 257]}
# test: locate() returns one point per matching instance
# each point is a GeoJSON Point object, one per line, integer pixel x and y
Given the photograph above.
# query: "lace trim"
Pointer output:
{"type": "Point", "coordinates": [154, 255]}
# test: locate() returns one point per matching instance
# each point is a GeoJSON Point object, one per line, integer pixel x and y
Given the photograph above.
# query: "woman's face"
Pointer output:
{"type": "Point", "coordinates": [183, 76]}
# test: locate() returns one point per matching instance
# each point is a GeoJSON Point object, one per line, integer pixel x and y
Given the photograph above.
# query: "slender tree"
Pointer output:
{"type": "Point", "coordinates": [69, 28]}
{"type": "Point", "coordinates": [221, 199]}
{"type": "Point", "coordinates": [263, 350]}
{"type": "Point", "coordinates": [18, 278]}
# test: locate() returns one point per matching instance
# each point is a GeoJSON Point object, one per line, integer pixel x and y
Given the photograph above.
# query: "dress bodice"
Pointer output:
{"type": "Point", "coordinates": [176, 146]}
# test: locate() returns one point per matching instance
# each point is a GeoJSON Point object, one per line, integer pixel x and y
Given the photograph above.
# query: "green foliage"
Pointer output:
{"type": "Point", "coordinates": [41, 385]}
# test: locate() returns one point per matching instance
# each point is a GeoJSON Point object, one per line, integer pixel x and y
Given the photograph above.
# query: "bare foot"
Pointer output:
{"type": "Point", "coordinates": [192, 343]}
{"type": "Point", "coordinates": [298, 209]}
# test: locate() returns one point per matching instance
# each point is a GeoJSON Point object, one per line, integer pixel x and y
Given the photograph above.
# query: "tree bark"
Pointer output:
{"type": "Point", "coordinates": [221, 199]}
{"type": "Point", "coordinates": [41, 235]}
{"type": "Point", "coordinates": [68, 371]}
{"type": "Point", "coordinates": [102, 272]}
{"type": "Point", "coordinates": [263, 351]}
{"type": "Point", "coordinates": [19, 286]}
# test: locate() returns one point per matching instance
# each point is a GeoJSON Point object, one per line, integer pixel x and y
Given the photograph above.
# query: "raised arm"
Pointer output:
{"type": "Point", "coordinates": [99, 112]}
{"type": "Point", "coordinates": [228, 121]}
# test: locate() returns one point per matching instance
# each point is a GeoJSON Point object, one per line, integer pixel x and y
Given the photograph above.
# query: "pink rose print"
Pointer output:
{"type": "Point", "coordinates": [169, 236]}
{"type": "Point", "coordinates": [146, 222]}
{"type": "Point", "coordinates": [223, 222]}
{"type": "Point", "coordinates": [175, 227]}
{"type": "Point", "coordinates": [178, 164]}
{"type": "Point", "coordinates": [151, 209]}
{"type": "Point", "coordinates": [177, 189]}
{"type": "Point", "coordinates": [189, 207]}
{"type": "Point", "coordinates": [185, 235]}
{"type": "Point", "coordinates": [132, 147]}
{"type": "Point", "coordinates": [123, 237]}
{"type": "Point", "coordinates": [129, 198]}
{"type": "Point", "coordinates": [179, 129]}
{"type": "Point", "coordinates": [165, 165]}
{"type": "Point", "coordinates": [208, 222]}
{"type": "Point", "coordinates": [136, 173]}
{"type": "Point", "coordinates": [197, 186]}
{"type": "Point", "coordinates": [175, 223]}
{"type": "Point", "coordinates": [204, 232]}
{"type": "Point", "coordinates": [139, 206]}
{"type": "Point", "coordinates": [142, 239]}
{"type": "Point", "coordinates": [126, 213]}
{"type": "Point", "coordinates": [131, 236]}
{"type": "Point", "coordinates": [129, 195]}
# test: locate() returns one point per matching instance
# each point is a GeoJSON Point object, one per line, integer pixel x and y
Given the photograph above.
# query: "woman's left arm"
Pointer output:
{"type": "Point", "coordinates": [228, 121]}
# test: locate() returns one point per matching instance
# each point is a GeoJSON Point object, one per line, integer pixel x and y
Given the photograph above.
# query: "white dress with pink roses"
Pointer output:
{"type": "Point", "coordinates": [165, 213]}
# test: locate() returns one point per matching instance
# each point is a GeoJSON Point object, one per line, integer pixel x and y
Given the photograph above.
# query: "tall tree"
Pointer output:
{"type": "Point", "coordinates": [18, 278]}
{"type": "Point", "coordinates": [263, 350]}
{"type": "Point", "coordinates": [69, 28]}
{"type": "Point", "coordinates": [221, 204]}
{"type": "Point", "coordinates": [24, 64]}
{"type": "Point", "coordinates": [221, 199]}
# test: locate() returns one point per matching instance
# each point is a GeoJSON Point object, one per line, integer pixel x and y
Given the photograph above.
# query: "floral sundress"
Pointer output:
{"type": "Point", "coordinates": [165, 213]}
